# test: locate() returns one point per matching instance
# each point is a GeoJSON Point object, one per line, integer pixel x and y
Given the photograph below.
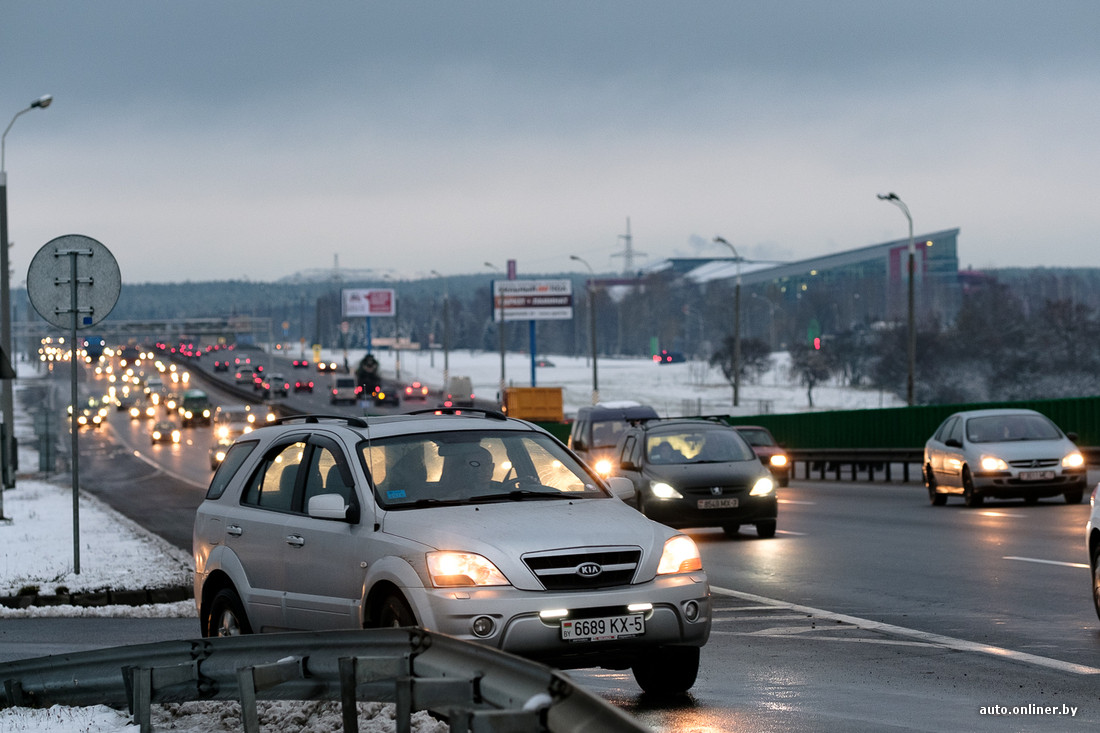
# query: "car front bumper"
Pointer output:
{"type": "Point", "coordinates": [678, 613]}
{"type": "Point", "coordinates": [1009, 485]}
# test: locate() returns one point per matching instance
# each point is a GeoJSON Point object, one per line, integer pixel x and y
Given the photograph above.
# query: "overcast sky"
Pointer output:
{"type": "Point", "coordinates": [210, 140]}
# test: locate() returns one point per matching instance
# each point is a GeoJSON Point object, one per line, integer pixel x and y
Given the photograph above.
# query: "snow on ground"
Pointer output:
{"type": "Point", "coordinates": [36, 533]}
{"type": "Point", "coordinates": [685, 388]}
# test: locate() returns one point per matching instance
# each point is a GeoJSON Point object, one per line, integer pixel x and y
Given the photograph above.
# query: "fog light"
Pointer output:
{"type": "Point", "coordinates": [482, 626]}
{"type": "Point", "coordinates": [691, 611]}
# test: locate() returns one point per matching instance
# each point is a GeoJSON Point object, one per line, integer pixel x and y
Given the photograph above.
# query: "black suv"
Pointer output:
{"type": "Point", "coordinates": [696, 473]}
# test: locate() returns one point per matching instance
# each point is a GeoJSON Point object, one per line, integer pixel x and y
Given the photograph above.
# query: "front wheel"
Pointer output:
{"type": "Point", "coordinates": [1074, 497]}
{"type": "Point", "coordinates": [227, 617]}
{"type": "Point", "coordinates": [970, 496]}
{"type": "Point", "coordinates": [395, 613]}
{"type": "Point", "coordinates": [1096, 579]}
{"type": "Point", "coordinates": [668, 671]}
{"type": "Point", "coordinates": [765, 529]}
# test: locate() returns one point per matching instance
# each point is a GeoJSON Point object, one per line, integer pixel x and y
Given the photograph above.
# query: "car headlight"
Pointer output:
{"type": "Point", "coordinates": [1073, 460]}
{"type": "Point", "coordinates": [680, 556]}
{"type": "Point", "coordinates": [457, 569]}
{"type": "Point", "coordinates": [663, 491]}
{"type": "Point", "coordinates": [762, 487]}
{"type": "Point", "coordinates": [993, 463]}
{"type": "Point", "coordinates": [603, 467]}
{"type": "Point", "coordinates": [779, 460]}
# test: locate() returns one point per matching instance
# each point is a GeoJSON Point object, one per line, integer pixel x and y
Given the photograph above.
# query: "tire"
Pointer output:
{"type": "Point", "coordinates": [970, 496]}
{"type": "Point", "coordinates": [227, 616]}
{"type": "Point", "coordinates": [1096, 579]}
{"type": "Point", "coordinates": [395, 613]}
{"type": "Point", "coordinates": [1074, 497]}
{"type": "Point", "coordinates": [936, 498]}
{"type": "Point", "coordinates": [765, 529]}
{"type": "Point", "coordinates": [731, 530]}
{"type": "Point", "coordinates": [668, 671]}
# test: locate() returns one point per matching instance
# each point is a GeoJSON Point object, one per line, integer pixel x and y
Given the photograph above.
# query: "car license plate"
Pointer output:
{"type": "Point", "coordinates": [1036, 475]}
{"type": "Point", "coordinates": [729, 503]}
{"type": "Point", "coordinates": [603, 629]}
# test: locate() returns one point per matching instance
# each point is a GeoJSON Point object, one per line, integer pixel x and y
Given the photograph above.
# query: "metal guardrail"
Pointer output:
{"type": "Point", "coordinates": [868, 461]}
{"type": "Point", "coordinates": [836, 462]}
{"type": "Point", "coordinates": [474, 687]}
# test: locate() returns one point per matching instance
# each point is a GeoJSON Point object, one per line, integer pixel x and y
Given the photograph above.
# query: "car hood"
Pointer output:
{"type": "Point", "coordinates": [695, 474]}
{"type": "Point", "coordinates": [504, 532]}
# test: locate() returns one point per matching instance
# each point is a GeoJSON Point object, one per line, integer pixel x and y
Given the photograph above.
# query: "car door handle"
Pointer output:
{"type": "Point", "coordinates": [234, 530]}
{"type": "Point", "coordinates": [295, 540]}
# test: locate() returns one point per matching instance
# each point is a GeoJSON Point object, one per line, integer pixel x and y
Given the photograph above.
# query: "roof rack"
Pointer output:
{"type": "Point", "coordinates": [492, 414]}
{"type": "Point", "coordinates": [352, 421]}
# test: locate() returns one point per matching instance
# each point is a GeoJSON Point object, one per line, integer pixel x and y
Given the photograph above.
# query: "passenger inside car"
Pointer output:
{"type": "Point", "coordinates": [467, 470]}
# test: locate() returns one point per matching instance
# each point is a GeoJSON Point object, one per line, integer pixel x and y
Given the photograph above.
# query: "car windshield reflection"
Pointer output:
{"type": "Point", "coordinates": [451, 468]}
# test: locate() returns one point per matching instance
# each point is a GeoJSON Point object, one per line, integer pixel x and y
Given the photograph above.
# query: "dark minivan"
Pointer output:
{"type": "Point", "coordinates": [597, 428]}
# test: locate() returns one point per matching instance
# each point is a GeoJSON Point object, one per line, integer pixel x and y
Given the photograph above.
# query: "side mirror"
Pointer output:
{"type": "Point", "coordinates": [1072, 437]}
{"type": "Point", "coordinates": [629, 465]}
{"type": "Point", "coordinates": [328, 506]}
{"type": "Point", "coordinates": [621, 487]}
{"type": "Point", "coordinates": [953, 443]}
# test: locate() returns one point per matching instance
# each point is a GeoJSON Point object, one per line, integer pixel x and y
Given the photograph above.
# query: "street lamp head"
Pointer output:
{"type": "Point", "coordinates": [44, 101]}
{"type": "Point", "coordinates": [888, 196]}
{"type": "Point", "coordinates": [720, 240]}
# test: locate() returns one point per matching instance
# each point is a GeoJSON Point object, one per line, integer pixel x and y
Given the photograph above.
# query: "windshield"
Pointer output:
{"type": "Point", "coordinates": [716, 445]}
{"type": "Point", "coordinates": [429, 469]}
{"type": "Point", "coordinates": [756, 436]}
{"type": "Point", "coordinates": [1002, 428]}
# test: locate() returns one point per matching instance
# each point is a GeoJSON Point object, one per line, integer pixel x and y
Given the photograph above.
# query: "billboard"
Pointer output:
{"type": "Point", "coordinates": [532, 300]}
{"type": "Point", "coordinates": [369, 302]}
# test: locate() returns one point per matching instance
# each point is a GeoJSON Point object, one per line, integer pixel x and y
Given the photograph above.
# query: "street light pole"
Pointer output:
{"type": "Point", "coordinates": [446, 330]}
{"type": "Point", "coordinates": [500, 332]}
{"type": "Point", "coordinates": [591, 293]}
{"type": "Point", "coordinates": [736, 325]}
{"type": "Point", "coordinates": [7, 452]}
{"type": "Point", "coordinates": [893, 198]}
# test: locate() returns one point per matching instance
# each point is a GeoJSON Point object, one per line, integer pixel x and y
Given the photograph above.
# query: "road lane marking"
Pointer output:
{"type": "Point", "coordinates": [1049, 562]}
{"type": "Point", "coordinates": [938, 640]}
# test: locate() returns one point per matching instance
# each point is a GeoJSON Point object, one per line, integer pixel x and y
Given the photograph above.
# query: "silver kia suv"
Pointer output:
{"type": "Point", "coordinates": [475, 525]}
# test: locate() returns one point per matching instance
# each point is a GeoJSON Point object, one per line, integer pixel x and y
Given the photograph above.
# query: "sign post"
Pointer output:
{"type": "Point", "coordinates": [74, 282]}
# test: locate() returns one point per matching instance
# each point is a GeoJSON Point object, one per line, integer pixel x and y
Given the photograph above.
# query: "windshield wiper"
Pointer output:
{"type": "Point", "coordinates": [520, 495]}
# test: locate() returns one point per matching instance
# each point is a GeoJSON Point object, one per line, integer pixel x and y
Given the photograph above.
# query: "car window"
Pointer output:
{"type": "Point", "coordinates": [696, 446]}
{"type": "Point", "coordinates": [954, 430]}
{"type": "Point", "coordinates": [328, 473]}
{"type": "Point", "coordinates": [272, 484]}
{"type": "Point", "coordinates": [605, 433]}
{"type": "Point", "coordinates": [468, 465]}
{"type": "Point", "coordinates": [228, 468]}
{"type": "Point", "coordinates": [755, 436]}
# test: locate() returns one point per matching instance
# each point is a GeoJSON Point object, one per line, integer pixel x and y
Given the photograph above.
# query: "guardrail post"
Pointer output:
{"type": "Point", "coordinates": [263, 677]}
{"type": "Point", "coordinates": [355, 671]}
{"type": "Point", "coordinates": [143, 682]}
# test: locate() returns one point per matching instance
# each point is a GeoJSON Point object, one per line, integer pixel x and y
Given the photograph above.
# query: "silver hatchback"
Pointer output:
{"type": "Point", "coordinates": [1003, 453]}
{"type": "Point", "coordinates": [474, 525]}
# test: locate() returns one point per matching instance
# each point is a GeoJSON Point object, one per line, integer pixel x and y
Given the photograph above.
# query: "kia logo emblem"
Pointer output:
{"type": "Point", "coordinates": [589, 569]}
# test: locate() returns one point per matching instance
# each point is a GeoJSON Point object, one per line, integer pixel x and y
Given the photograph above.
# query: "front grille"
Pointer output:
{"type": "Point", "coordinates": [1035, 463]}
{"type": "Point", "coordinates": [562, 569]}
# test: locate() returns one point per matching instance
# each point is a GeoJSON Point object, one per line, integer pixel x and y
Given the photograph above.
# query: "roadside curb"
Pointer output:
{"type": "Point", "coordinates": [140, 597]}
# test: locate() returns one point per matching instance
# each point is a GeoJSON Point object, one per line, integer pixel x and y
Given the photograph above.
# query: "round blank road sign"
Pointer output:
{"type": "Point", "coordinates": [50, 277]}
